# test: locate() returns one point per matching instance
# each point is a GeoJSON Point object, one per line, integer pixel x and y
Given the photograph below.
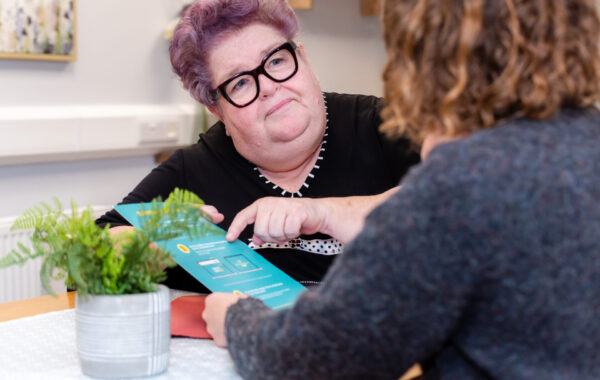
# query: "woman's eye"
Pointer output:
{"type": "Point", "coordinates": [240, 84]}
{"type": "Point", "coordinates": [276, 62]}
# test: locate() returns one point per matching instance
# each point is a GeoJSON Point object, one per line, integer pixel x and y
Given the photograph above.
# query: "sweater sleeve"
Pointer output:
{"type": "Point", "coordinates": [391, 300]}
{"type": "Point", "coordinates": [159, 182]}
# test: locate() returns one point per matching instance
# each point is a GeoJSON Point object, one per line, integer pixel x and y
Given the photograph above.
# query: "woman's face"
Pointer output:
{"type": "Point", "coordinates": [285, 124]}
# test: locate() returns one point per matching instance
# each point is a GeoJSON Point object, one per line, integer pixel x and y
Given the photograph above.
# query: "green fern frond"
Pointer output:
{"type": "Point", "coordinates": [183, 196]}
{"type": "Point", "coordinates": [38, 216]}
{"type": "Point", "coordinates": [89, 259]}
{"type": "Point", "coordinates": [28, 220]}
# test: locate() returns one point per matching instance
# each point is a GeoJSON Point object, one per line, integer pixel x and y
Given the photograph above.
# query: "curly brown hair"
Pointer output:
{"type": "Point", "coordinates": [458, 66]}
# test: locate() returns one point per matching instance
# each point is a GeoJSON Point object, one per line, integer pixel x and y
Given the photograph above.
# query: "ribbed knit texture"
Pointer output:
{"type": "Point", "coordinates": [486, 264]}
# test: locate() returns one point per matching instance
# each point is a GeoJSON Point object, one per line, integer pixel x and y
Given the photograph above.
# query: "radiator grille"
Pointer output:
{"type": "Point", "coordinates": [23, 281]}
{"type": "Point", "coordinates": [18, 282]}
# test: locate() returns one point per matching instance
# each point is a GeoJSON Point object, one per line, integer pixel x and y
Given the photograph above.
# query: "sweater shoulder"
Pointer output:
{"type": "Point", "coordinates": [521, 146]}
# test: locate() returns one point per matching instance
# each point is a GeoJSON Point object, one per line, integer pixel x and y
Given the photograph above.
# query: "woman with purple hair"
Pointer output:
{"type": "Point", "coordinates": [294, 161]}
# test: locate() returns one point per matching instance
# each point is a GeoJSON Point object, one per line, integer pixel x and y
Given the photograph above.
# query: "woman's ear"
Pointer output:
{"type": "Point", "coordinates": [215, 111]}
{"type": "Point", "coordinates": [301, 50]}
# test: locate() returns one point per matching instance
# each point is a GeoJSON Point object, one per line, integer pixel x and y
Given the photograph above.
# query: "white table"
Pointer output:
{"type": "Point", "coordinates": [43, 347]}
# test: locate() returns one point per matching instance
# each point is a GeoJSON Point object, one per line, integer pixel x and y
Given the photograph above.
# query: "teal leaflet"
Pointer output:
{"type": "Point", "coordinates": [222, 266]}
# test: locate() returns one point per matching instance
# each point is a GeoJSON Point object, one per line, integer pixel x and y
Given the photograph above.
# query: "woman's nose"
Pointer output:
{"type": "Point", "coordinates": [267, 86]}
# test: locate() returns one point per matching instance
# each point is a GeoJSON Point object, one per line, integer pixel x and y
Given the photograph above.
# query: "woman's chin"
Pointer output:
{"type": "Point", "coordinates": [288, 133]}
{"type": "Point", "coordinates": [287, 127]}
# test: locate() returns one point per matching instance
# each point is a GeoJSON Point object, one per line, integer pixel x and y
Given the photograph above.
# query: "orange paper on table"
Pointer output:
{"type": "Point", "coordinates": [186, 317]}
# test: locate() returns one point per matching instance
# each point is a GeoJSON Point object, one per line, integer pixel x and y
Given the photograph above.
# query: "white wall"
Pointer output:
{"type": "Point", "coordinates": [345, 48]}
{"type": "Point", "coordinates": [122, 60]}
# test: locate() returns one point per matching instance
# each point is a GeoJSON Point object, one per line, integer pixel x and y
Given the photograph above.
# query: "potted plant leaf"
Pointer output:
{"type": "Point", "coordinates": [122, 315]}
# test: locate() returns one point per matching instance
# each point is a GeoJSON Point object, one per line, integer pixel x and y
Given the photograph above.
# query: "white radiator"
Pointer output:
{"type": "Point", "coordinates": [23, 281]}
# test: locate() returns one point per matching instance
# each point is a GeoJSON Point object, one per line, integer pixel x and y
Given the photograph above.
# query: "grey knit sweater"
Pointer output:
{"type": "Point", "coordinates": [486, 264]}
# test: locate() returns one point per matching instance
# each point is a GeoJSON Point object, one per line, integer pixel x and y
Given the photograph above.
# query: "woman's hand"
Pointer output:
{"type": "Point", "coordinates": [215, 216]}
{"type": "Point", "coordinates": [119, 234]}
{"type": "Point", "coordinates": [278, 220]}
{"type": "Point", "coordinates": [214, 313]}
{"type": "Point", "coordinates": [118, 230]}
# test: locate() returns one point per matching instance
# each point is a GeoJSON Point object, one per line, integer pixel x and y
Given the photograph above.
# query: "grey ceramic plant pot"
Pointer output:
{"type": "Point", "coordinates": [124, 335]}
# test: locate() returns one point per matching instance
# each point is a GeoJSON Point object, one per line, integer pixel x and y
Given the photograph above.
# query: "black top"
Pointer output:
{"type": "Point", "coordinates": [356, 160]}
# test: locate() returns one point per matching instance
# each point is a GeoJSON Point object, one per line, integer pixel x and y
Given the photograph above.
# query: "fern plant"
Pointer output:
{"type": "Point", "coordinates": [74, 249]}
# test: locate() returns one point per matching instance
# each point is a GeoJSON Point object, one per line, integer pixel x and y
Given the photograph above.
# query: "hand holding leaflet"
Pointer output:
{"type": "Point", "coordinates": [222, 266]}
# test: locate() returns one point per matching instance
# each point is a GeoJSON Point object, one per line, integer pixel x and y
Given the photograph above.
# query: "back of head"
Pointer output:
{"type": "Point", "coordinates": [458, 66]}
{"type": "Point", "coordinates": [206, 22]}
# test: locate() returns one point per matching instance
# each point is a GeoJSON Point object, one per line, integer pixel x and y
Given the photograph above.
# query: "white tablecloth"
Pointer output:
{"type": "Point", "coordinates": [43, 347]}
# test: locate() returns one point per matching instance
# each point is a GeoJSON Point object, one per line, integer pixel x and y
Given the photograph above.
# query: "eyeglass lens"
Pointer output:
{"type": "Point", "coordinates": [279, 66]}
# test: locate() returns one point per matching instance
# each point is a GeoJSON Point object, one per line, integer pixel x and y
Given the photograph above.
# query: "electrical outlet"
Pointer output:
{"type": "Point", "coordinates": [158, 131]}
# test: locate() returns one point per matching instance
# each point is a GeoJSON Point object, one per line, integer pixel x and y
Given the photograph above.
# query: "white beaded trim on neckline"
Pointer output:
{"type": "Point", "coordinates": [317, 166]}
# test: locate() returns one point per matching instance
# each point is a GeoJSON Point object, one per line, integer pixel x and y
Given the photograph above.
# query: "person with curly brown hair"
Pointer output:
{"type": "Point", "coordinates": [486, 263]}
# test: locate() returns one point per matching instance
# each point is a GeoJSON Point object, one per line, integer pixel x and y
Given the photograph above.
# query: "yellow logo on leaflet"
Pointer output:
{"type": "Point", "coordinates": [145, 212]}
{"type": "Point", "coordinates": [183, 248]}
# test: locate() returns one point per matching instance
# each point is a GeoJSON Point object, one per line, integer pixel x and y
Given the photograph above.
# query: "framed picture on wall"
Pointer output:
{"type": "Point", "coordinates": [38, 29]}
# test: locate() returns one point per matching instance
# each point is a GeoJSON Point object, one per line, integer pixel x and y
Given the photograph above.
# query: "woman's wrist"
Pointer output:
{"type": "Point", "coordinates": [344, 217]}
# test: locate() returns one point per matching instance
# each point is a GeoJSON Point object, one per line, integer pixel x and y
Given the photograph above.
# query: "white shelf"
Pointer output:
{"type": "Point", "coordinates": [54, 134]}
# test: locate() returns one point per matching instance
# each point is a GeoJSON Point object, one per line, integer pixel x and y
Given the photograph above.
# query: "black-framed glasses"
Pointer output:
{"type": "Point", "coordinates": [243, 88]}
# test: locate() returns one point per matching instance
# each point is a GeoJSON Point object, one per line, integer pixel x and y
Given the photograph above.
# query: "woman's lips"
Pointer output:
{"type": "Point", "coordinates": [278, 106]}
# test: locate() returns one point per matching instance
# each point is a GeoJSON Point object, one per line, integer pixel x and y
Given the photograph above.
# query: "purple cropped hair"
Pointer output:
{"type": "Point", "coordinates": [206, 22]}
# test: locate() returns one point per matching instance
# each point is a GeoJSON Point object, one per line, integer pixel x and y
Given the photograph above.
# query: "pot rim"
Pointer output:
{"type": "Point", "coordinates": [158, 289]}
